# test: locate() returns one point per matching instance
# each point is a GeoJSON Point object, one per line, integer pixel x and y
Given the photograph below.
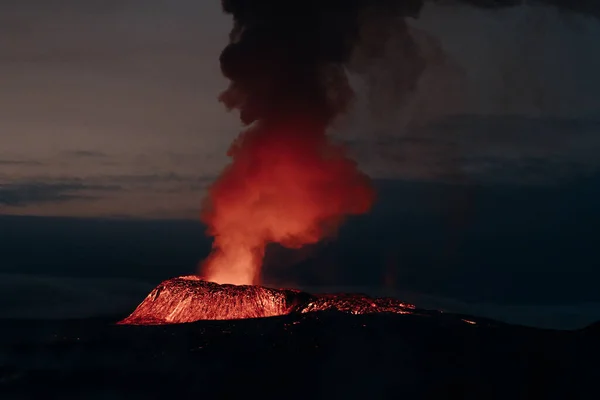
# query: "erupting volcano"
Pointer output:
{"type": "Point", "coordinates": [189, 299]}
{"type": "Point", "coordinates": [287, 183]}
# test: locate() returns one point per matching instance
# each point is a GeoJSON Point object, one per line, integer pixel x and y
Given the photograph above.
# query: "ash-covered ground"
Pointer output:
{"type": "Point", "coordinates": [428, 355]}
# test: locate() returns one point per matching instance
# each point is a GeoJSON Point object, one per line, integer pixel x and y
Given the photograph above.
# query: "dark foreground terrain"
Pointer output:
{"type": "Point", "coordinates": [315, 355]}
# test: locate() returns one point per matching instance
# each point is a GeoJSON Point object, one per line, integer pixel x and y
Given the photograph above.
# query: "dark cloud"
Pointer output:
{"type": "Point", "coordinates": [492, 149]}
{"type": "Point", "coordinates": [20, 162]}
{"type": "Point", "coordinates": [84, 154]}
{"type": "Point", "coordinates": [28, 193]}
{"type": "Point", "coordinates": [156, 181]}
{"type": "Point", "coordinates": [43, 191]}
{"type": "Point", "coordinates": [591, 7]}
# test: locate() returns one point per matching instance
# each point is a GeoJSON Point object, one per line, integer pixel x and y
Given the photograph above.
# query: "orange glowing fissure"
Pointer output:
{"type": "Point", "coordinates": [287, 184]}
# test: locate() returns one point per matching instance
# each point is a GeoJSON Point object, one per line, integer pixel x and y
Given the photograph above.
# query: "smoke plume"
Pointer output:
{"type": "Point", "coordinates": [286, 60]}
{"type": "Point", "coordinates": [287, 183]}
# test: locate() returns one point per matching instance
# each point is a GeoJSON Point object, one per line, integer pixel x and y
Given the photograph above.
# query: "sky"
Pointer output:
{"type": "Point", "coordinates": [109, 108]}
{"type": "Point", "coordinates": [488, 176]}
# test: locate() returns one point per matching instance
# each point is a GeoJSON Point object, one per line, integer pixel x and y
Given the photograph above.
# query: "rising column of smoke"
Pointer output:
{"type": "Point", "coordinates": [287, 182]}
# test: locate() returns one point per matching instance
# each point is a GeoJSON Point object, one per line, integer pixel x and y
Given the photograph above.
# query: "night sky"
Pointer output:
{"type": "Point", "coordinates": [488, 177]}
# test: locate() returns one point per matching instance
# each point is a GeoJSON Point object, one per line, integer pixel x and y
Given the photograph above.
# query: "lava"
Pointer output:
{"type": "Point", "coordinates": [189, 299]}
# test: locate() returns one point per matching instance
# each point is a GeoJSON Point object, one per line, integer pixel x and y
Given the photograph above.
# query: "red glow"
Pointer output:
{"type": "Point", "coordinates": [288, 184]}
{"type": "Point", "coordinates": [189, 299]}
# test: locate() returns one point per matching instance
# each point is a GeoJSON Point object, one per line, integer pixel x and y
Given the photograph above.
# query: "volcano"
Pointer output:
{"type": "Point", "coordinates": [190, 299]}
{"type": "Point", "coordinates": [346, 346]}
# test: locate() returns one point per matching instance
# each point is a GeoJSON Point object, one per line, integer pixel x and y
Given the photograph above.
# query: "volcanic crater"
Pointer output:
{"type": "Point", "coordinates": [189, 299]}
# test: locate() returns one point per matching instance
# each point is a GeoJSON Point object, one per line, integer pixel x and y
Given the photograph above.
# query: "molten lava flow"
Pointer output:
{"type": "Point", "coordinates": [287, 184]}
{"type": "Point", "coordinates": [189, 299]}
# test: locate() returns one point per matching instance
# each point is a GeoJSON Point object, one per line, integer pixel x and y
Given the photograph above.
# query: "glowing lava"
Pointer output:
{"type": "Point", "coordinates": [189, 299]}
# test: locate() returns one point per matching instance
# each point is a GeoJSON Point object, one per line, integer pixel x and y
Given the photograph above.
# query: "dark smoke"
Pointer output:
{"type": "Point", "coordinates": [288, 183]}
{"type": "Point", "coordinates": [286, 60]}
{"type": "Point", "coordinates": [288, 57]}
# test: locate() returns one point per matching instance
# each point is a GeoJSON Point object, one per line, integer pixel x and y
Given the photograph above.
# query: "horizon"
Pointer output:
{"type": "Point", "coordinates": [488, 177]}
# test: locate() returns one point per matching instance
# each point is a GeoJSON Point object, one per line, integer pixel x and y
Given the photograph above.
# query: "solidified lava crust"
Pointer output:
{"type": "Point", "coordinates": [189, 299]}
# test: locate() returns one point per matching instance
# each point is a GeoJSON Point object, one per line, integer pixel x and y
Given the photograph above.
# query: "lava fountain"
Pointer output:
{"type": "Point", "coordinates": [287, 183]}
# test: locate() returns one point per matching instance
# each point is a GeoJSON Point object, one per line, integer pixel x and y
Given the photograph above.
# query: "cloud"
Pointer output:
{"type": "Point", "coordinates": [157, 178]}
{"type": "Point", "coordinates": [20, 162]}
{"type": "Point", "coordinates": [84, 154]}
{"type": "Point", "coordinates": [28, 193]}
{"type": "Point", "coordinates": [158, 195]}
{"type": "Point", "coordinates": [484, 149]}
{"type": "Point", "coordinates": [513, 98]}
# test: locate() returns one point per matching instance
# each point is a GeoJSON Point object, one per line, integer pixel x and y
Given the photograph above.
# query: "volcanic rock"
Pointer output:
{"type": "Point", "coordinates": [356, 304]}
{"type": "Point", "coordinates": [189, 299]}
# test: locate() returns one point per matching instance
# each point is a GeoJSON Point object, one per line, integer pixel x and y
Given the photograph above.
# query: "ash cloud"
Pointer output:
{"type": "Point", "coordinates": [508, 95]}
{"type": "Point", "coordinates": [287, 68]}
{"type": "Point", "coordinates": [284, 59]}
